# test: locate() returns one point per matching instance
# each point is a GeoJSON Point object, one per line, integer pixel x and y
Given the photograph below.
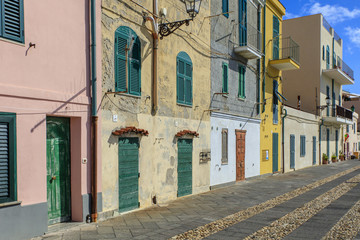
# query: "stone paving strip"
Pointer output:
{"type": "Point", "coordinates": [228, 221]}
{"type": "Point", "coordinates": [348, 226]}
{"type": "Point", "coordinates": [291, 221]}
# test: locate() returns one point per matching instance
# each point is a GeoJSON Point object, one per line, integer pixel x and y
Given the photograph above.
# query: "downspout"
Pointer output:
{"type": "Point", "coordinates": [94, 117]}
{"type": "Point", "coordinates": [155, 57]}
{"type": "Point", "coordinates": [264, 39]}
{"type": "Point", "coordinates": [321, 124]}
{"type": "Point", "coordinates": [282, 141]}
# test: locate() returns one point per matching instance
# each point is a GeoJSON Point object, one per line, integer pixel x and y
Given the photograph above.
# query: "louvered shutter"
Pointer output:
{"type": "Point", "coordinates": [276, 26]}
{"type": "Point", "coordinates": [188, 84]}
{"type": "Point", "coordinates": [134, 80]}
{"type": "Point", "coordinates": [4, 160]}
{"type": "Point", "coordinates": [120, 62]}
{"type": "Point", "coordinates": [225, 7]}
{"type": "Point", "coordinates": [12, 20]}
{"type": "Point", "coordinates": [180, 81]}
{"type": "Point", "coordinates": [225, 78]}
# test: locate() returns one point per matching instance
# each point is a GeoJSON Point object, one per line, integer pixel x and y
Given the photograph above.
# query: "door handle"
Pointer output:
{"type": "Point", "coordinates": [53, 178]}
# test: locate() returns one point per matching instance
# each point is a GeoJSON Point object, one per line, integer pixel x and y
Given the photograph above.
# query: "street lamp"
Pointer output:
{"type": "Point", "coordinates": [192, 8]}
{"type": "Point", "coordinates": [327, 100]}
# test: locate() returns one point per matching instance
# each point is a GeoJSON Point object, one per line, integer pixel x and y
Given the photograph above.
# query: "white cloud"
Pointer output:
{"type": "Point", "coordinates": [291, 15]}
{"type": "Point", "coordinates": [354, 35]}
{"type": "Point", "coordinates": [333, 13]}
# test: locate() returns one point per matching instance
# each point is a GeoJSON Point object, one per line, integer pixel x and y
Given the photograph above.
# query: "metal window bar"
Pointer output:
{"type": "Point", "coordinates": [254, 38]}
{"type": "Point", "coordinates": [288, 48]}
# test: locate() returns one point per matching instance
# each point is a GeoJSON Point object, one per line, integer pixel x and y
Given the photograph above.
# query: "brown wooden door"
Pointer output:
{"type": "Point", "coordinates": [240, 155]}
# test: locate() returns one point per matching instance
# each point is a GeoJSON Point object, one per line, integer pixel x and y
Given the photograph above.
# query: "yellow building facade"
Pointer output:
{"type": "Point", "coordinates": [280, 55]}
{"type": "Point", "coordinates": [155, 125]}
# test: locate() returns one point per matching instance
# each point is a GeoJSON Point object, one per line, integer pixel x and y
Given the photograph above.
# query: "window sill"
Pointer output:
{"type": "Point", "coordinates": [242, 99]}
{"type": "Point", "coordinates": [184, 105]}
{"type": "Point", "coordinates": [225, 95]}
{"type": "Point", "coordinates": [127, 95]}
{"type": "Point", "coordinates": [227, 163]}
{"type": "Point", "coordinates": [12, 41]}
{"type": "Point", "coordinates": [7, 204]}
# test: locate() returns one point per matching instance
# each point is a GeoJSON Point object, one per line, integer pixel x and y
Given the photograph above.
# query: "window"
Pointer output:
{"type": "Point", "coordinates": [339, 100]}
{"type": "Point", "coordinates": [12, 20]}
{"type": "Point", "coordinates": [7, 157]}
{"type": "Point", "coordinates": [225, 8]}
{"type": "Point", "coordinates": [224, 146]}
{"type": "Point", "coordinates": [242, 23]}
{"type": "Point", "coordinates": [354, 128]}
{"type": "Point", "coordinates": [347, 128]}
{"type": "Point", "coordinates": [276, 32]}
{"type": "Point", "coordinates": [225, 69]}
{"type": "Point", "coordinates": [334, 60]}
{"type": "Point", "coordinates": [327, 57]}
{"type": "Point", "coordinates": [323, 53]}
{"type": "Point", "coordinates": [302, 146]}
{"type": "Point", "coordinates": [184, 75]}
{"type": "Point", "coordinates": [241, 93]}
{"type": "Point", "coordinates": [275, 102]}
{"type": "Point", "coordinates": [127, 49]}
{"type": "Point", "coordinates": [328, 95]}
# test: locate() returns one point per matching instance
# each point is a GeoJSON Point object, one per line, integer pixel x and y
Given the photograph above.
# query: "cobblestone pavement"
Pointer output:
{"type": "Point", "coordinates": [321, 202]}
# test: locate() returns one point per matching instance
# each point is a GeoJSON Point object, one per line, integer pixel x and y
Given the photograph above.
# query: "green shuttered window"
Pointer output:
{"type": "Point", "coordinates": [127, 61]}
{"type": "Point", "coordinates": [241, 93]}
{"type": "Point", "coordinates": [242, 22]}
{"type": "Point", "coordinates": [12, 20]}
{"type": "Point", "coordinates": [276, 32]}
{"type": "Point", "coordinates": [275, 102]}
{"type": "Point", "coordinates": [184, 72]}
{"type": "Point", "coordinates": [225, 7]}
{"type": "Point", "coordinates": [302, 146]}
{"type": "Point", "coordinates": [225, 76]}
{"type": "Point", "coordinates": [327, 57]}
{"type": "Point", "coordinates": [7, 157]}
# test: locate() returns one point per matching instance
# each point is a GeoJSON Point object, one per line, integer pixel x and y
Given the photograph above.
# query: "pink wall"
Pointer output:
{"type": "Point", "coordinates": [52, 79]}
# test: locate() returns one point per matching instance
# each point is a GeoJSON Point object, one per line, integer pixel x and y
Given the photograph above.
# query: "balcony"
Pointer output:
{"type": "Point", "coordinates": [250, 45]}
{"type": "Point", "coordinates": [340, 72]}
{"type": "Point", "coordinates": [286, 54]}
{"type": "Point", "coordinates": [339, 115]}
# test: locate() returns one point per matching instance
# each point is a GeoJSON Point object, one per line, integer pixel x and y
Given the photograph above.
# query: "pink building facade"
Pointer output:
{"type": "Point", "coordinates": [45, 114]}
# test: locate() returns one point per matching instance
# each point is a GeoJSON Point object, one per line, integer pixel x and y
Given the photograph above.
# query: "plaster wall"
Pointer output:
{"type": "Point", "coordinates": [51, 79]}
{"type": "Point", "coordinates": [304, 82]}
{"type": "Point", "coordinates": [158, 150]}
{"type": "Point", "coordinates": [224, 173]}
{"type": "Point", "coordinates": [299, 123]}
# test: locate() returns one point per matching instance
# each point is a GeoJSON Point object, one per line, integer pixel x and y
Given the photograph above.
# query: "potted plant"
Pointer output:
{"type": "Point", "coordinates": [333, 158]}
{"type": "Point", "coordinates": [324, 159]}
{"type": "Point", "coordinates": [341, 156]}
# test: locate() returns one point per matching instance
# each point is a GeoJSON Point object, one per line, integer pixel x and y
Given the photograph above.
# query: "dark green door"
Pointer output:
{"type": "Point", "coordinates": [58, 169]}
{"type": "Point", "coordinates": [292, 151]}
{"type": "Point", "coordinates": [328, 143]}
{"type": "Point", "coordinates": [314, 150]}
{"type": "Point", "coordinates": [184, 167]}
{"type": "Point", "coordinates": [275, 154]}
{"type": "Point", "coordinates": [128, 174]}
{"type": "Point", "coordinates": [337, 142]}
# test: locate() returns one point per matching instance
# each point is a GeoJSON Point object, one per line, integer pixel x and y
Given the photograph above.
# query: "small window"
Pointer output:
{"type": "Point", "coordinates": [302, 146]}
{"type": "Point", "coordinates": [327, 57]}
{"type": "Point", "coordinates": [354, 128]}
{"type": "Point", "coordinates": [225, 69]}
{"type": "Point", "coordinates": [12, 20]}
{"type": "Point", "coordinates": [184, 75]}
{"type": "Point", "coordinates": [347, 128]}
{"type": "Point", "coordinates": [323, 53]}
{"type": "Point", "coordinates": [276, 40]}
{"type": "Point", "coordinates": [224, 146]}
{"type": "Point", "coordinates": [275, 103]}
{"type": "Point", "coordinates": [127, 61]}
{"type": "Point", "coordinates": [225, 8]}
{"type": "Point", "coordinates": [241, 93]}
{"type": "Point", "coordinates": [7, 157]}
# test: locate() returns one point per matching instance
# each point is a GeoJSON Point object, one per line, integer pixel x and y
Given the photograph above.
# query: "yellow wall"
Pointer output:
{"type": "Point", "coordinates": [273, 7]}
{"type": "Point", "coordinates": [158, 151]}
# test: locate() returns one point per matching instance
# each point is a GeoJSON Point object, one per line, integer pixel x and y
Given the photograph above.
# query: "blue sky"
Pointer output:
{"type": "Point", "coordinates": [344, 17]}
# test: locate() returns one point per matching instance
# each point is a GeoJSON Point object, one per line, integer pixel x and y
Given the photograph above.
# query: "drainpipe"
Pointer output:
{"type": "Point", "coordinates": [155, 56]}
{"type": "Point", "coordinates": [282, 141]}
{"type": "Point", "coordinates": [94, 117]}
{"type": "Point", "coordinates": [321, 124]}
{"type": "Point", "coordinates": [264, 38]}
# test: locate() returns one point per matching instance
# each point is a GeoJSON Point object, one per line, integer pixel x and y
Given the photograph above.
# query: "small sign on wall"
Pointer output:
{"type": "Point", "coordinates": [265, 155]}
{"type": "Point", "coordinates": [205, 156]}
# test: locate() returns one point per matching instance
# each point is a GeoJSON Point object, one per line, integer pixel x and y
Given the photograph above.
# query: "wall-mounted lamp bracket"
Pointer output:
{"type": "Point", "coordinates": [165, 29]}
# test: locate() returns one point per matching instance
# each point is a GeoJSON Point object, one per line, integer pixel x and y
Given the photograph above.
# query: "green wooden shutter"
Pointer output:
{"type": "Point", "coordinates": [292, 151]}
{"type": "Point", "coordinates": [135, 67]}
{"type": "Point", "coordinates": [241, 93]}
{"type": "Point", "coordinates": [302, 146]}
{"type": "Point", "coordinates": [184, 168]}
{"type": "Point", "coordinates": [121, 43]}
{"type": "Point", "coordinates": [242, 23]}
{"type": "Point", "coordinates": [276, 32]}
{"type": "Point", "coordinates": [180, 81]}
{"type": "Point", "coordinates": [275, 102]}
{"type": "Point", "coordinates": [314, 150]}
{"type": "Point", "coordinates": [275, 153]}
{"type": "Point", "coordinates": [12, 20]}
{"type": "Point", "coordinates": [225, 7]}
{"type": "Point", "coordinates": [225, 78]}
{"type": "Point", "coordinates": [7, 157]}
{"type": "Point", "coordinates": [327, 57]}
{"type": "Point", "coordinates": [188, 83]}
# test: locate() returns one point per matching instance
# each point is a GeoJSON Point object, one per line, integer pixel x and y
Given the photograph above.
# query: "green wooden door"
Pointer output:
{"type": "Point", "coordinates": [275, 153]}
{"type": "Point", "coordinates": [314, 150]}
{"type": "Point", "coordinates": [58, 168]}
{"type": "Point", "coordinates": [128, 174]}
{"type": "Point", "coordinates": [184, 167]}
{"type": "Point", "coordinates": [292, 151]}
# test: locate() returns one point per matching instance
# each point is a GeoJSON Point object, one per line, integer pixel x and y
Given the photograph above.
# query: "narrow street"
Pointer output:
{"type": "Point", "coordinates": [315, 203]}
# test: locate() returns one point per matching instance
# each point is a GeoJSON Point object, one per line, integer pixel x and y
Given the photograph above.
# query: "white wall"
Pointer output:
{"type": "Point", "coordinates": [225, 173]}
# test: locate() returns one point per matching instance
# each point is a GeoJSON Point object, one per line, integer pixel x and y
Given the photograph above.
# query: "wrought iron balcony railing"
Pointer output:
{"type": "Point", "coordinates": [285, 48]}
{"type": "Point", "coordinates": [340, 64]}
{"type": "Point", "coordinates": [251, 37]}
{"type": "Point", "coordinates": [343, 112]}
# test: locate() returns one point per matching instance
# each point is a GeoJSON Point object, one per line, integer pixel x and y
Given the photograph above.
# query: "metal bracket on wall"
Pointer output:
{"type": "Point", "coordinates": [165, 29]}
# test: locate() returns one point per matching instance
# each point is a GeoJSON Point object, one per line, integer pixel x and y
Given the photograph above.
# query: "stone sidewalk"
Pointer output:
{"type": "Point", "coordinates": [186, 213]}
